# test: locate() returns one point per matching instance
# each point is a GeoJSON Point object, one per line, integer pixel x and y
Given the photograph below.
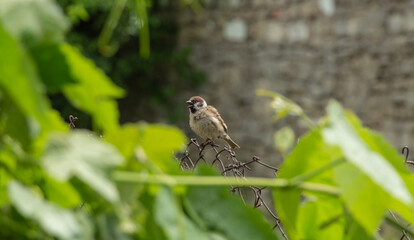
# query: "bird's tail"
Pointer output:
{"type": "Point", "coordinates": [232, 144]}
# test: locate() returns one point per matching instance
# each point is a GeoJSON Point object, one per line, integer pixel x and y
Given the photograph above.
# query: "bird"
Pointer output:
{"type": "Point", "coordinates": [206, 122]}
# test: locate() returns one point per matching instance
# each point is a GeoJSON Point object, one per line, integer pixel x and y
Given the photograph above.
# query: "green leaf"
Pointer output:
{"type": "Point", "coordinates": [281, 104]}
{"type": "Point", "coordinates": [13, 123]}
{"type": "Point", "coordinates": [227, 215]}
{"type": "Point", "coordinates": [53, 219]}
{"type": "Point", "coordinates": [159, 143]}
{"type": "Point", "coordinates": [356, 231]}
{"type": "Point", "coordinates": [52, 66]}
{"type": "Point", "coordinates": [19, 80]}
{"type": "Point", "coordinates": [108, 228]}
{"type": "Point", "coordinates": [286, 202]}
{"type": "Point", "coordinates": [94, 92]}
{"type": "Point", "coordinates": [375, 179]}
{"type": "Point", "coordinates": [283, 139]}
{"type": "Point", "coordinates": [321, 217]}
{"type": "Point", "coordinates": [283, 107]}
{"type": "Point", "coordinates": [309, 155]}
{"type": "Point", "coordinates": [33, 21]}
{"type": "Point", "coordinates": [168, 215]}
{"type": "Point", "coordinates": [126, 139]}
{"type": "Point", "coordinates": [80, 154]}
{"type": "Point", "coordinates": [366, 201]}
{"type": "Point", "coordinates": [341, 133]}
{"type": "Point", "coordinates": [62, 193]}
{"type": "Point", "coordinates": [4, 179]}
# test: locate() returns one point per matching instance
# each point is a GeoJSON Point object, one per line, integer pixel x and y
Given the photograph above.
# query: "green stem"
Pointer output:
{"type": "Point", "coordinates": [170, 180]}
{"type": "Point", "coordinates": [307, 120]}
{"type": "Point", "coordinates": [144, 38]}
{"type": "Point", "coordinates": [300, 178]}
{"type": "Point", "coordinates": [109, 27]}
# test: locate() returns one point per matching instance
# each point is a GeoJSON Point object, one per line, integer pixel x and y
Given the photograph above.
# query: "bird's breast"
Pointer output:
{"type": "Point", "coordinates": [204, 126]}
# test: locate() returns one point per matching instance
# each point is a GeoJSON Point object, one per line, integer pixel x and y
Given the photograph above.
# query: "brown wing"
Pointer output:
{"type": "Point", "coordinates": [214, 110]}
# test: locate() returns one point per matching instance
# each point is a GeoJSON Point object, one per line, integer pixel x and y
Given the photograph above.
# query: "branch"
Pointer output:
{"type": "Point", "coordinates": [174, 180]}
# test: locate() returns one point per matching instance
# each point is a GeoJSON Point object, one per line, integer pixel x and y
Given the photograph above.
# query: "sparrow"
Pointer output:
{"type": "Point", "coordinates": [206, 122]}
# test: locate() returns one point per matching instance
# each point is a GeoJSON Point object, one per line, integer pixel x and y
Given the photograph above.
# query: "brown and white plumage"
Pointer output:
{"type": "Point", "coordinates": [206, 122]}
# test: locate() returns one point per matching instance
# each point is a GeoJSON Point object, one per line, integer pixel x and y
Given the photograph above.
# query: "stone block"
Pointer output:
{"type": "Point", "coordinates": [235, 30]}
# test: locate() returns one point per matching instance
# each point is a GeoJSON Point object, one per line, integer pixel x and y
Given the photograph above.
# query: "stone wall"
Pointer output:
{"type": "Point", "coordinates": [356, 51]}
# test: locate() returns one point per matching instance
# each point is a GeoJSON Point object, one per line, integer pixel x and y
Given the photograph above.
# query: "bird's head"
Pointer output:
{"type": "Point", "coordinates": [196, 103]}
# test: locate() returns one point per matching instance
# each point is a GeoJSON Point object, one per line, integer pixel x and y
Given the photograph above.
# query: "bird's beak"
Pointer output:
{"type": "Point", "coordinates": [189, 102]}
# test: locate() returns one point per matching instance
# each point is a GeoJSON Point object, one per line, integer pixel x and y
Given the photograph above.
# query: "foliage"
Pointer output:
{"type": "Point", "coordinates": [338, 182]}
{"type": "Point", "coordinates": [367, 172]}
{"type": "Point", "coordinates": [57, 183]}
{"type": "Point", "coordinates": [99, 30]}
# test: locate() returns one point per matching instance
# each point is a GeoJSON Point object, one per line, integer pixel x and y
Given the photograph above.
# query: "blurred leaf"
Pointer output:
{"type": "Point", "coordinates": [82, 155]}
{"type": "Point", "coordinates": [10, 152]}
{"type": "Point", "coordinates": [321, 217]}
{"type": "Point", "coordinates": [159, 143]}
{"type": "Point", "coordinates": [13, 123]}
{"type": "Point", "coordinates": [374, 179]}
{"type": "Point", "coordinates": [77, 12]}
{"type": "Point", "coordinates": [283, 139]}
{"type": "Point", "coordinates": [62, 193]}
{"type": "Point", "coordinates": [286, 202]}
{"type": "Point", "coordinates": [52, 66]}
{"type": "Point", "coordinates": [53, 219]}
{"type": "Point", "coordinates": [33, 21]}
{"type": "Point", "coordinates": [366, 201]}
{"type": "Point", "coordinates": [309, 155]}
{"type": "Point", "coordinates": [94, 93]}
{"type": "Point", "coordinates": [283, 107]}
{"type": "Point", "coordinates": [4, 179]}
{"type": "Point", "coordinates": [109, 229]}
{"type": "Point", "coordinates": [356, 231]}
{"type": "Point", "coordinates": [226, 213]}
{"type": "Point", "coordinates": [168, 216]}
{"type": "Point", "coordinates": [126, 139]}
{"type": "Point", "coordinates": [18, 78]}
{"type": "Point", "coordinates": [341, 133]}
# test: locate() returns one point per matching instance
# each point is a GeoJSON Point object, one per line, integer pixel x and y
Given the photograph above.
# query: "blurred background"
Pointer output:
{"type": "Point", "coordinates": [359, 52]}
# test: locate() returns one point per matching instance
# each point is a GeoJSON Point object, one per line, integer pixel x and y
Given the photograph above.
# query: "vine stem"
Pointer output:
{"type": "Point", "coordinates": [174, 180]}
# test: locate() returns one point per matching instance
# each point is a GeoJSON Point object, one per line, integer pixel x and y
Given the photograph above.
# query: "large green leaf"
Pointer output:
{"type": "Point", "coordinates": [341, 133]}
{"type": "Point", "coordinates": [33, 21]}
{"type": "Point", "coordinates": [320, 217]}
{"type": "Point", "coordinates": [172, 220]}
{"type": "Point", "coordinates": [126, 139]}
{"type": "Point", "coordinates": [150, 143]}
{"type": "Point", "coordinates": [167, 215]}
{"type": "Point", "coordinates": [159, 143]}
{"type": "Point", "coordinates": [13, 123]}
{"type": "Point", "coordinates": [366, 201]}
{"type": "Point", "coordinates": [18, 78]}
{"type": "Point", "coordinates": [80, 154]}
{"type": "Point", "coordinates": [53, 219]}
{"type": "Point", "coordinates": [52, 66]}
{"type": "Point", "coordinates": [307, 157]}
{"type": "Point", "coordinates": [62, 193]}
{"type": "Point", "coordinates": [375, 179]}
{"type": "Point", "coordinates": [94, 92]}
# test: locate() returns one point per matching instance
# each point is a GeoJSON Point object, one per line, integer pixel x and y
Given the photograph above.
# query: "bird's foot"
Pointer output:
{"type": "Point", "coordinates": [206, 143]}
